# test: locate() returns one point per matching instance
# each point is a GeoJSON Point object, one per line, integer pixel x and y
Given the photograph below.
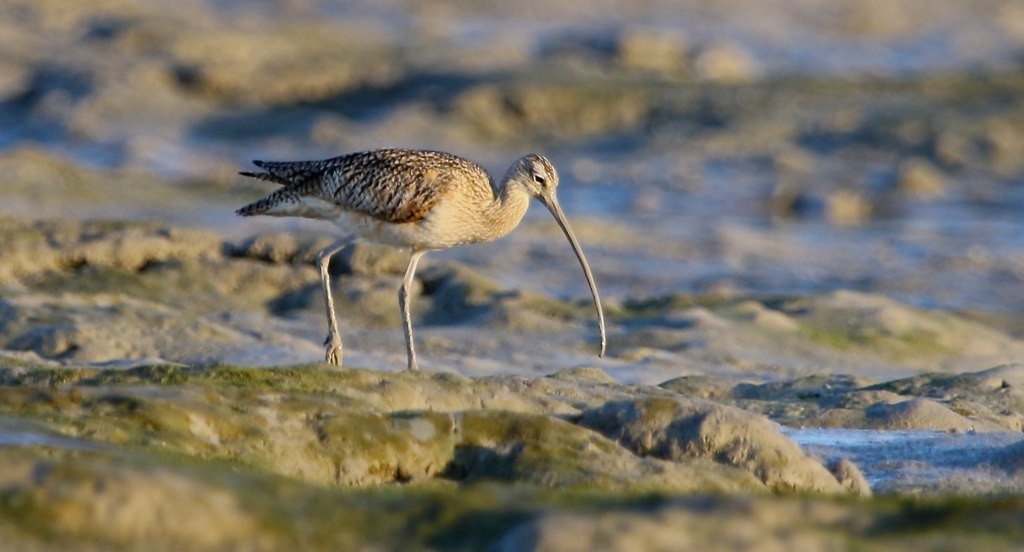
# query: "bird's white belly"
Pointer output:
{"type": "Point", "coordinates": [369, 229]}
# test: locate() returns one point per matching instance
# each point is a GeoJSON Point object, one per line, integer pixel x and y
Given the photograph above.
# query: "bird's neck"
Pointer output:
{"type": "Point", "coordinates": [507, 209]}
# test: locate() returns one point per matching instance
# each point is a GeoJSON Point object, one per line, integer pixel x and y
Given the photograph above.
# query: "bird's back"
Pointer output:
{"type": "Point", "coordinates": [390, 185]}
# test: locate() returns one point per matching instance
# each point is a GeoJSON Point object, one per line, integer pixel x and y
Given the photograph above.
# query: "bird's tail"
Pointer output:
{"type": "Point", "coordinates": [277, 203]}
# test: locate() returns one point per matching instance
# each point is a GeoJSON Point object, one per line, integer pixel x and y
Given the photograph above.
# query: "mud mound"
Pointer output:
{"type": "Point", "coordinates": [673, 429]}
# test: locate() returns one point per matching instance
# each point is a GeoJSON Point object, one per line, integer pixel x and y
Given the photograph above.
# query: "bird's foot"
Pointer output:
{"type": "Point", "coordinates": [333, 349]}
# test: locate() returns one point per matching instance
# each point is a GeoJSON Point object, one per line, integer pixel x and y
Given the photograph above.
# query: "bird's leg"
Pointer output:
{"type": "Point", "coordinates": [333, 341]}
{"type": "Point", "coordinates": [403, 303]}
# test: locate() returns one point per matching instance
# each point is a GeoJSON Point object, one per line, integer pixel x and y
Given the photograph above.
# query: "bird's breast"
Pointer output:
{"type": "Point", "coordinates": [453, 223]}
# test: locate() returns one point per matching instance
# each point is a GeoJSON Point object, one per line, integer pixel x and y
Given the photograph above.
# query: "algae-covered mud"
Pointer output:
{"type": "Point", "coordinates": [173, 457]}
{"type": "Point", "coordinates": [803, 217]}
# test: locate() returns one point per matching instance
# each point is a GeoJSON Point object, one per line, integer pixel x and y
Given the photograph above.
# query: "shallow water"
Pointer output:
{"type": "Point", "coordinates": [22, 433]}
{"type": "Point", "coordinates": [28, 439]}
{"type": "Point", "coordinates": [914, 461]}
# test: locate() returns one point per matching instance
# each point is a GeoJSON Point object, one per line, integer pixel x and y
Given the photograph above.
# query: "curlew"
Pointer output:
{"type": "Point", "coordinates": [414, 199]}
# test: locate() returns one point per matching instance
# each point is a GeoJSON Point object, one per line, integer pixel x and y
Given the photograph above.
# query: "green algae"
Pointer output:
{"type": "Point", "coordinates": [664, 304]}
{"type": "Point", "coordinates": [281, 512]}
{"type": "Point", "coordinates": [272, 512]}
{"type": "Point", "coordinates": [514, 447]}
{"type": "Point", "coordinates": [26, 373]}
{"type": "Point", "coordinates": [312, 424]}
{"type": "Point", "coordinates": [291, 459]}
{"type": "Point", "coordinates": [907, 346]}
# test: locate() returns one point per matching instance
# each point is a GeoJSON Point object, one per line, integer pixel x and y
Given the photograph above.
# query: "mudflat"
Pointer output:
{"type": "Point", "coordinates": [804, 221]}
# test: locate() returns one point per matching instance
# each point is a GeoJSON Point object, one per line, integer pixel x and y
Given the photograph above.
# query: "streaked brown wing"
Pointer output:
{"type": "Point", "coordinates": [391, 185]}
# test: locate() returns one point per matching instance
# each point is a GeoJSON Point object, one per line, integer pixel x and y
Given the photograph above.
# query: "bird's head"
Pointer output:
{"type": "Point", "coordinates": [537, 175]}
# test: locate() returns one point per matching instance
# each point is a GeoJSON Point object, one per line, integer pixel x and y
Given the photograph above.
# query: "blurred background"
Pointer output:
{"type": "Point", "coordinates": [727, 146]}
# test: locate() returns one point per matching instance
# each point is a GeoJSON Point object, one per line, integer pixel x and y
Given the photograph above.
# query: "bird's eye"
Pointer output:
{"type": "Point", "coordinates": [539, 179]}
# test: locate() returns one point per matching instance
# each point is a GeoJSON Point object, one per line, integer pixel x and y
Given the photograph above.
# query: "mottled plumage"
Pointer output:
{"type": "Point", "coordinates": [416, 199]}
{"type": "Point", "coordinates": [391, 185]}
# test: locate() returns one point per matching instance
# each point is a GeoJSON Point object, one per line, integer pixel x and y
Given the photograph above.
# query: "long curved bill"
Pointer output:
{"type": "Point", "coordinates": [551, 202]}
